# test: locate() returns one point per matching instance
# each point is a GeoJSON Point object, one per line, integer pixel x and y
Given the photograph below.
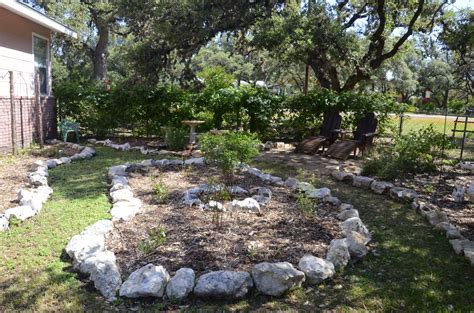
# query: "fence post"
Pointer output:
{"type": "Point", "coordinates": [400, 127]}
{"type": "Point", "coordinates": [39, 110]}
{"type": "Point", "coordinates": [13, 112]}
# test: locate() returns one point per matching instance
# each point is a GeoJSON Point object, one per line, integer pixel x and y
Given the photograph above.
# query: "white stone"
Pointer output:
{"type": "Point", "coordinates": [338, 253]}
{"type": "Point", "coordinates": [458, 193]}
{"type": "Point", "coordinates": [263, 195]}
{"type": "Point", "coordinates": [90, 263]}
{"type": "Point", "coordinates": [320, 194]}
{"type": "Point", "coordinates": [36, 179]}
{"type": "Point", "coordinates": [148, 281]}
{"type": "Point", "coordinates": [237, 190]}
{"type": "Point", "coordinates": [214, 205]}
{"type": "Point", "coordinates": [100, 228]}
{"type": "Point", "coordinates": [316, 269]}
{"type": "Point", "coordinates": [147, 163]}
{"type": "Point", "coordinates": [470, 192]}
{"type": "Point", "coordinates": [305, 187]}
{"type": "Point", "coordinates": [380, 187]}
{"type": "Point", "coordinates": [355, 224]}
{"type": "Point", "coordinates": [65, 160]}
{"type": "Point", "coordinates": [362, 181]}
{"type": "Point", "coordinates": [435, 217]}
{"type": "Point", "coordinates": [333, 201]}
{"type": "Point", "coordinates": [3, 222]}
{"type": "Point", "coordinates": [119, 180]}
{"type": "Point", "coordinates": [195, 161]}
{"type": "Point", "coordinates": [274, 279]}
{"type": "Point", "coordinates": [44, 192]}
{"type": "Point", "coordinates": [469, 254]}
{"type": "Point", "coordinates": [403, 194]}
{"type": "Point", "coordinates": [181, 284]}
{"type": "Point", "coordinates": [460, 244]}
{"type": "Point", "coordinates": [346, 214]}
{"type": "Point", "coordinates": [107, 278]}
{"type": "Point", "coordinates": [121, 195]}
{"type": "Point", "coordinates": [20, 212]}
{"type": "Point", "coordinates": [118, 170]}
{"type": "Point", "coordinates": [52, 163]}
{"type": "Point", "coordinates": [356, 245]}
{"type": "Point", "coordinates": [223, 285]}
{"type": "Point", "coordinates": [125, 209]}
{"type": "Point", "coordinates": [80, 247]}
{"type": "Point", "coordinates": [291, 182]}
{"type": "Point", "coordinates": [342, 176]}
{"type": "Point", "coordinates": [248, 204]}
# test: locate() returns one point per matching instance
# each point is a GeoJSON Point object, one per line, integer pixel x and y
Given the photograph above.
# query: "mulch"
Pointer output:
{"type": "Point", "coordinates": [14, 171]}
{"type": "Point", "coordinates": [281, 233]}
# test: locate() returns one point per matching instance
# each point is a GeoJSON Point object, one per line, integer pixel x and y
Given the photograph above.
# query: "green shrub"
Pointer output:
{"type": "Point", "coordinates": [226, 151]}
{"type": "Point", "coordinates": [417, 152]}
{"type": "Point", "coordinates": [177, 139]}
{"type": "Point", "coordinates": [161, 191]}
{"type": "Point", "coordinates": [156, 238]}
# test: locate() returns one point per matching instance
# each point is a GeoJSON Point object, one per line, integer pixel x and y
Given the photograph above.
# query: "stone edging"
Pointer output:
{"type": "Point", "coordinates": [31, 200]}
{"type": "Point", "coordinates": [439, 220]}
{"type": "Point", "coordinates": [89, 255]}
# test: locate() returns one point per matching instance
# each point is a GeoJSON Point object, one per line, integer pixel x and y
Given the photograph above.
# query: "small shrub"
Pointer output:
{"type": "Point", "coordinates": [226, 151]}
{"type": "Point", "coordinates": [305, 204]}
{"type": "Point", "coordinates": [176, 139]}
{"type": "Point", "coordinates": [161, 191]}
{"type": "Point", "coordinates": [416, 152]}
{"type": "Point", "coordinates": [156, 238]}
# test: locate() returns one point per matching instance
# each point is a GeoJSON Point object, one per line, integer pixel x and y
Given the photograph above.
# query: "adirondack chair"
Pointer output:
{"type": "Point", "coordinates": [363, 138]}
{"type": "Point", "coordinates": [331, 121]}
{"type": "Point", "coordinates": [67, 127]}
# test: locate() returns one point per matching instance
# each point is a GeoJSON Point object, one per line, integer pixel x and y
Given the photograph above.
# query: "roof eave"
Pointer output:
{"type": "Point", "coordinates": [36, 17]}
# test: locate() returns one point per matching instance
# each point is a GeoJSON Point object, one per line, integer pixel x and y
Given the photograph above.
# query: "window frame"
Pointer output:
{"type": "Point", "coordinates": [48, 60]}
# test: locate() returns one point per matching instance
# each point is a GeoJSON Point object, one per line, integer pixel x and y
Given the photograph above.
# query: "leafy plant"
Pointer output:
{"type": "Point", "coordinates": [226, 151]}
{"type": "Point", "coordinates": [416, 152]}
{"type": "Point", "coordinates": [156, 238]}
{"type": "Point", "coordinates": [306, 204]}
{"type": "Point", "coordinates": [176, 139]}
{"type": "Point", "coordinates": [161, 191]}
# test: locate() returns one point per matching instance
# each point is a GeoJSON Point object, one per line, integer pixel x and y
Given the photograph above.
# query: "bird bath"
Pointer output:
{"type": "Point", "coordinates": [192, 133]}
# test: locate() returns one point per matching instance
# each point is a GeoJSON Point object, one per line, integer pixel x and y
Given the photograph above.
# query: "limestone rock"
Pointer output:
{"type": "Point", "coordinates": [333, 201]}
{"type": "Point", "coordinates": [52, 163]}
{"type": "Point", "coordinates": [320, 194]}
{"type": "Point", "coordinates": [36, 180]}
{"type": "Point", "coordinates": [3, 222]}
{"type": "Point", "coordinates": [435, 217]}
{"type": "Point", "coordinates": [403, 194]}
{"type": "Point", "coordinates": [181, 285]}
{"type": "Point", "coordinates": [469, 254]}
{"type": "Point", "coordinates": [20, 212]}
{"type": "Point", "coordinates": [470, 192]}
{"type": "Point", "coordinates": [459, 245]}
{"type": "Point", "coordinates": [125, 209]}
{"type": "Point", "coordinates": [248, 204]}
{"type": "Point", "coordinates": [305, 187]}
{"type": "Point", "coordinates": [263, 195]}
{"type": "Point", "coordinates": [362, 181]}
{"type": "Point", "coordinates": [65, 160]}
{"type": "Point", "coordinates": [380, 187]}
{"type": "Point", "coordinates": [342, 176]}
{"type": "Point", "coordinates": [346, 214]}
{"type": "Point", "coordinates": [237, 190]}
{"type": "Point", "coordinates": [100, 228]}
{"type": "Point", "coordinates": [458, 193]}
{"type": "Point", "coordinates": [121, 195]}
{"type": "Point", "coordinates": [291, 182]}
{"type": "Point", "coordinates": [148, 281]}
{"type": "Point", "coordinates": [316, 269]}
{"type": "Point", "coordinates": [355, 224]}
{"type": "Point", "coordinates": [356, 245]}
{"type": "Point", "coordinates": [195, 161]}
{"type": "Point", "coordinates": [338, 253]}
{"type": "Point", "coordinates": [106, 277]}
{"type": "Point", "coordinates": [223, 285]}
{"type": "Point", "coordinates": [80, 247]}
{"type": "Point", "coordinates": [274, 279]}
{"type": "Point", "coordinates": [118, 170]}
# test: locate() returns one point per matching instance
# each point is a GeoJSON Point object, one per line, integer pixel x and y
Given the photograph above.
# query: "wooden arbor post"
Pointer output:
{"type": "Point", "coordinates": [13, 113]}
{"type": "Point", "coordinates": [39, 111]}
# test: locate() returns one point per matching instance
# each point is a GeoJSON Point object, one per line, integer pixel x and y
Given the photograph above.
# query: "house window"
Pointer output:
{"type": "Point", "coordinates": [40, 52]}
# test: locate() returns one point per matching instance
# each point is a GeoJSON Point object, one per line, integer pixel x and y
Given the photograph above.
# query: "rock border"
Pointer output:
{"type": "Point", "coordinates": [31, 199]}
{"type": "Point", "coordinates": [439, 220]}
{"type": "Point", "coordinates": [88, 254]}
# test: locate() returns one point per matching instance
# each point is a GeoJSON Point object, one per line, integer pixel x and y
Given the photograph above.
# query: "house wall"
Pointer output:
{"type": "Point", "coordinates": [25, 121]}
{"type": "Point", "coordinates": [16, 53]}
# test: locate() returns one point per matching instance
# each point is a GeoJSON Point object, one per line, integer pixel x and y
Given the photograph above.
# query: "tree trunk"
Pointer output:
{"type": "Point", "coordinates": [101, 51]}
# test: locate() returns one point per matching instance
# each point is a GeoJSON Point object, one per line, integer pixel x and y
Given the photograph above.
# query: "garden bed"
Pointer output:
{"type": "Point", "coordinates": [280, 233]}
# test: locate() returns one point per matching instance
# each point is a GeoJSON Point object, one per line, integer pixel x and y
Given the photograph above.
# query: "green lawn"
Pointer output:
{"type": "Point", "coordinates": [416, 123]}
{"type": "Point", "coordinates": [414, 268]}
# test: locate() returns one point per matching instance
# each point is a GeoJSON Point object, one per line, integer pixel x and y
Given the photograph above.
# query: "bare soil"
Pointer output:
{"type": "Point", "coordinates": [281, 233]}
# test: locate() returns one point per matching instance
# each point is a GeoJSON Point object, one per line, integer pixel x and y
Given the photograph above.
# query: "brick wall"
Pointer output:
{"type": "Point", "coordinates": [25, 117]}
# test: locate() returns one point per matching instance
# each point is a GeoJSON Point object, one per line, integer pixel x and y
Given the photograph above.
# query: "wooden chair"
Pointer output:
{"type": "Point", "coordinates": [363, 138]}
{"type": "Point", "coordinates": [331, 121]}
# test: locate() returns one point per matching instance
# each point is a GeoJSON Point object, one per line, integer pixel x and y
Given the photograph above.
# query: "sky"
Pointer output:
{"type": "Point", "coordinates": [460, 4]}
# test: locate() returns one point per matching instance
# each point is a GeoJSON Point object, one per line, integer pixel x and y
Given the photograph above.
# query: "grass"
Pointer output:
{"type": "Point", "coordinates": [417, 123]}
{"type": "Point", "coordinates": [414, 268]}
{"type": "Point", "coordinates": [35, 272]}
